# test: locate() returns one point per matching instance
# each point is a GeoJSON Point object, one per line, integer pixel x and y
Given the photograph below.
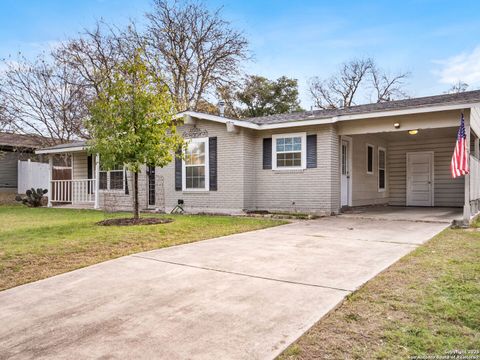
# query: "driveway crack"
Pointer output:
{"type": "Point", "coordinates": [243, 274]}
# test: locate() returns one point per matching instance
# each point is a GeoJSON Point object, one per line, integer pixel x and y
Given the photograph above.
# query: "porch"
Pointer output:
{"type": "Point", "coordinates": [74, 176]}
{"type": "Point", "coordinates": [77, 180]}
{"type": "Point", "coordinates": [404, 161]}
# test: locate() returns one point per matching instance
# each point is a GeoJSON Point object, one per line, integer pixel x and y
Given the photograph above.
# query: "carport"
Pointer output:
{"type": "Point", "coordinates": [404, 161]}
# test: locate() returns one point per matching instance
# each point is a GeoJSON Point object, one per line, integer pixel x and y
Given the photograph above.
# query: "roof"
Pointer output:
{"type": "Point", "coordinates": [389, 108]}
{"type": "Point", "coordinates": [20, 140]}
{"type": "Point", "coordinates": [71, 146]}
{"type": "Point", "coordinates": [447, 99]}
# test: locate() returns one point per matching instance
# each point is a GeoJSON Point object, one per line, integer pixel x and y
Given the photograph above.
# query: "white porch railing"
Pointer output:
{"type": "Point", "coordinates": [73, 191]}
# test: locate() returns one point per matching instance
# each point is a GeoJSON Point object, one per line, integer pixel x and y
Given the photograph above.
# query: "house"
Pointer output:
{"type": "Point", "coordinates": [14, 147]}
{"type": "Point", "coordinates": [395, 153]}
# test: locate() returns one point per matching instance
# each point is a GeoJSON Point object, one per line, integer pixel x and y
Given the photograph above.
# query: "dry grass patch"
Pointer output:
{"type": "Point", "coordinates": [427, 303]}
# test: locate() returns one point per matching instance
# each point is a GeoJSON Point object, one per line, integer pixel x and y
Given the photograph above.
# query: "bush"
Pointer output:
{"type": "Point", "coordinates": [33, 197]}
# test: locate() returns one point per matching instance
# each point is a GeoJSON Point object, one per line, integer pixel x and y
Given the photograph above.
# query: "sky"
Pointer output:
{"type": "Point", "coordinates": [437, 42]}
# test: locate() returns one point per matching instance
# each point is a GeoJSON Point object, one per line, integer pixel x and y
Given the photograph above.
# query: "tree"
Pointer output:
{"type": "Point", "coordinates": [458, 87]}
{"type": "Point", "coordinates": [93, 56]}
{"type": "Point", "coordinates": [386, 87]}
{"type": "Point", "coordinates": [42, 98]}
{"type": "Point", "coordinates": [354, 77]}
{"type": "Point", "coordinates": [197, 50]}
{"type": "Point", "coordinates": [132, 121]}
{"type": "Point", "coordinates": [340, 89]}
{"type": "Point", "coordinates": [260, 96]}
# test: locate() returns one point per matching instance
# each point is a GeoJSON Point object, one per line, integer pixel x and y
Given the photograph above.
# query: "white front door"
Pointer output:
{"type": "Point", "coordinates": [420, 179]}
{"type": "Point", "coordinates": [345, 173]}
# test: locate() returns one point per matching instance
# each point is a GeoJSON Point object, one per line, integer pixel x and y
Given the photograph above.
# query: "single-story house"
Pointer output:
{"type": "Point", "coordinates": [395, 153]}
{"type": "Point", "coordinates": [14, 147]}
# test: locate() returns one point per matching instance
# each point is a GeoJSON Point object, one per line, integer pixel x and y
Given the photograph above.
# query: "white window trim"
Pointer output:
{"type": "Point", "coordinates": [373, 159]}
{"type": "Point", "coordinates": [207, 167]}
{"type": "Point", "coordinates": [384, 169]}
{"type": "Point", "coordinates": [303, 136]}
{"type": "Point", "coordinates": [108, 181]}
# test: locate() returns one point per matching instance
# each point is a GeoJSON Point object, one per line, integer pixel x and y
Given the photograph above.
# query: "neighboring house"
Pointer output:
{"type": "Point", "coordinates": [395, 153]}
{"type": "Point", "coordinates": [14, 147]}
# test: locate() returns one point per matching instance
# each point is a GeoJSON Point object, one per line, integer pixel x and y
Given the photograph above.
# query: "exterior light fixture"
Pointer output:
{"type": "Point", "coordinates": [413, 132]}
{"type": "Point", "coordinates": [396, 125]}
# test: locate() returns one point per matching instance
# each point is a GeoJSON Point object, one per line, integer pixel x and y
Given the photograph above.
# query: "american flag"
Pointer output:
{"type": "Point", "coordinates": [459, 164]}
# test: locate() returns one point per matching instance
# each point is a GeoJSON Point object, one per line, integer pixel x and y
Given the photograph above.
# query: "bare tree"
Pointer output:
{"type": "Point", "coordinates": [196, 50]}
{"type": "Point", "coordinates": [458, 87]}
{"type": "Point", "coordinates": [386, 87]}
{"type": "Point", "coordinates": [340, 89]}
{"type": "Point", "coordinates": [40, 98]}
{"type": "Point", "coordinates": [354, 77]}
{"type": "Point", "coordinates": [92, 56]}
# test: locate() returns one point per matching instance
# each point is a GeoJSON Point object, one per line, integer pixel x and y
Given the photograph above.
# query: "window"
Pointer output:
{"type": "Point", "coordinates": [382, 161]}
{"type": "Point", "coordinates": [370, 149]}
{"type": "Point", "coordinates": [289, 151]}
{"type": "Point", "coordinates": [112, 179]}
{"type": "Point", "coordinates": [195, 165]}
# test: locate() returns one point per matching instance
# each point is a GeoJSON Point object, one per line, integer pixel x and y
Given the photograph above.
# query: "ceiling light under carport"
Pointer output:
{"type": "Point", "coordinates": [413, 132]}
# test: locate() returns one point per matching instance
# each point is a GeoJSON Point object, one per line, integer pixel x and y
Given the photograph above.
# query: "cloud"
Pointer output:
{"type": "Point", "coordinates": [462, 67]}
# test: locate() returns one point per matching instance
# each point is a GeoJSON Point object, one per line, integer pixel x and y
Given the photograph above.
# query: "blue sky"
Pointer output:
{"type": "Point", "coordinates": [436, 41]}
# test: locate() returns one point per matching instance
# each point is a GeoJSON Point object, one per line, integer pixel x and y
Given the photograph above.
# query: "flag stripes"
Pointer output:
{"type": "Point", "coordinates": [459, 164]}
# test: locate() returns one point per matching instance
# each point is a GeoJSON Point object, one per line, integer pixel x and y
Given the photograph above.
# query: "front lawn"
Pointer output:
{"type": "Point", "coordinates": [428, 304]}
{"type": "Point", "coordinates": [42, 242]}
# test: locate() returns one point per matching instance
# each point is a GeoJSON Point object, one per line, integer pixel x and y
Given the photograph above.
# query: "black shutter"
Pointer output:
{"type": "Point", "coordinates": [267, 153]}
{"type": "Point", "coordinates": [178, 171]}
{"type": "Point", "coordinates": [311, 151]}
{"type": "Point", "coordinates": [126, 182]}
{"type": "Point", "coordinates": [212, 162]}
{"type": "Point", "coordinates": [90, 172]}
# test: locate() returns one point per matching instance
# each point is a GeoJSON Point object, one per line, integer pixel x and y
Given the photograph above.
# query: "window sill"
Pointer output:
{"type": "Point", "coordinates": [112, 191]}
{"type": "Point", "coordinates": [202, 191]}
{"type": "Point", "coordinates": [288, 171]}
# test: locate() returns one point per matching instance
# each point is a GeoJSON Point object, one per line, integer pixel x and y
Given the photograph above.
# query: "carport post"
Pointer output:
{"type": "Point", "coordinates": [466, 205]}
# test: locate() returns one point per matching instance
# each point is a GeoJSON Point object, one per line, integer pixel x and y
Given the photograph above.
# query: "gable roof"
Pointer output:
{"type": "Point", "coordinates": [427, 101]}
{"type": "Point", "coordinates": [8, 139]}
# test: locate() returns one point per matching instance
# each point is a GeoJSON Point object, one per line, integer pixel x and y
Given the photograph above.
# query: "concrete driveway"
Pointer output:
{"type": "Point", "coordinates": [245, 296]}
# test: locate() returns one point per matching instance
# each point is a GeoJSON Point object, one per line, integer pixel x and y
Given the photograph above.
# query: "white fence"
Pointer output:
{"type": "Point", "coordinates": [73, 191]}
{"type": "Point", "coordinates": [32, 175]}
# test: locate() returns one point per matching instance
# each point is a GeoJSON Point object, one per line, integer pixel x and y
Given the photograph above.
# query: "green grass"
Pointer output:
{"type": "Point", "coordinates": [42, 242]}
{"type": "Point", "coordinates": [428, 303]}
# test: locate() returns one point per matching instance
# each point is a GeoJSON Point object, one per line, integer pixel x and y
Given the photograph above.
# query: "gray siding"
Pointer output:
{"type": "Point", "coordinates": [447, 191]}
{"type": "Point", "coordinates": [80, 163]}
{"type": "Point", "coordinates": [364, 185]}
{"type": "Point", "coordinates": [8, 169]}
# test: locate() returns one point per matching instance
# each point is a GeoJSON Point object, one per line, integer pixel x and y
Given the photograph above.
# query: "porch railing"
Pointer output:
{"type": "Point", "coordinates": [73, 191]}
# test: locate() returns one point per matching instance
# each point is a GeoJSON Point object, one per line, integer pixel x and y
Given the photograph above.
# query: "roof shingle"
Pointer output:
{"type": "Point", "coordinates": [447, 99]}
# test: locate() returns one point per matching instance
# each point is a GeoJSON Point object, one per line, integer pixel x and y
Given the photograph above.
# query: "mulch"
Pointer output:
{"type": "Point", "coordinates": [132, 221]}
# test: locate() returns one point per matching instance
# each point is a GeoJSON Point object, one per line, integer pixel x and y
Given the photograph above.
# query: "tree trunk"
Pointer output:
{"type": "Point", "coordinates": [136, 212]}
